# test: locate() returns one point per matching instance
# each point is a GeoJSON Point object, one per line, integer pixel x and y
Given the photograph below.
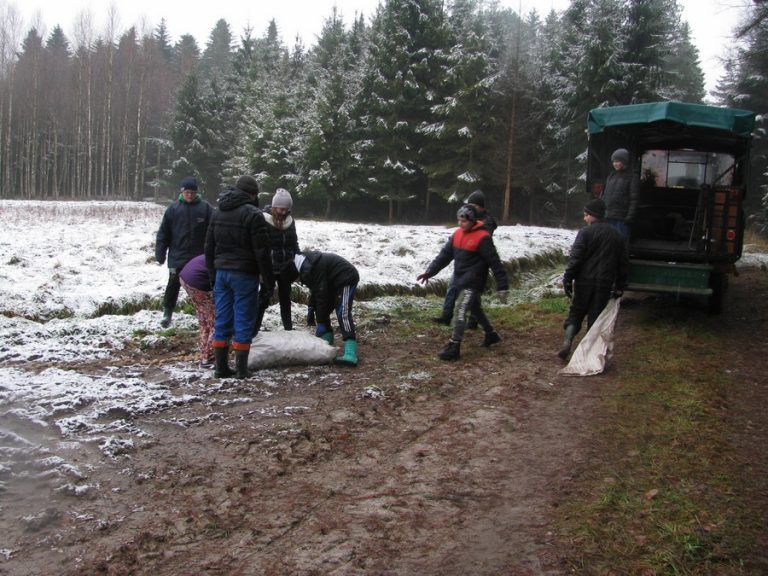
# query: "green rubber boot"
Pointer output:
{"type": "Point", "coordinates": [328, 337]}
{"type": "Point", "coordinates": [350, 353]}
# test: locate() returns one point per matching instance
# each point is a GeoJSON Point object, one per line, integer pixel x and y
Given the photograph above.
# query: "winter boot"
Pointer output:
{"type": "Point", "coordinates": [451, 351]}
{"type": "Point", "coordinates": [167, 315]}
{"type": "Point", "coordinates": [241, 363]}
{"type": "Point", "coordinates": [570, 332]}
{"type": "Point", "coordinates": [328, 337]}
{"type": "Point", "coordinates": [350, 353]}
{"type": "Point", "coordinates": [221, 356]}
{"type": "Point", "coordinates": [491, 338]}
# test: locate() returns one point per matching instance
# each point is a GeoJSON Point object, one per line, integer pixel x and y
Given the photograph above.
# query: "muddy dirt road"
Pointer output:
{"type": "Point", "coordinates": [405, 465]}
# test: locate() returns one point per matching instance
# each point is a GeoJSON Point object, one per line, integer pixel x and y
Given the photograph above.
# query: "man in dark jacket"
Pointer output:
{"type": "Point", "coordinates": [477, 200]}
{"type": "Point", "coordinates": [182, 237]}
{"type": "Point", "coordinates": [472, 251]}
{"type": "Point", "coordinates": [597, 267]}
{"type": "Point", "coordinates": [236, 253]}
{"type": "Point", "coordinates": [622, 189]}
{"type": "Point", "coordinates": [332, 282]}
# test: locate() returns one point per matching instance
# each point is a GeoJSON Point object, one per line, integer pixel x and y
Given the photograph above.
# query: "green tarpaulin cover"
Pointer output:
{"type": "Point", "coordinates": [740, 122]}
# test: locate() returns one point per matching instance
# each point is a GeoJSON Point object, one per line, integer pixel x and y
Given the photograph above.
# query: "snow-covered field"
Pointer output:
{"type": "Point", "coordinates": [63, 263]}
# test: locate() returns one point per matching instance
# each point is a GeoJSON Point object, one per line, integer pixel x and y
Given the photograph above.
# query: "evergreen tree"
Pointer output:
{"type": "Point", "coordinates": [186, 56]}
{"type": "Point", "coordinates": [217, 56]}
{"type": "Point", "coordinates": [329, 160]}
{"type": "Point", "coordinates": [163, 40]}
{"type": "Point", "coordinates": [187, 132]}
{"type": "Point", "coordinates": [463, 120]}
{"type": "Point", "coordinates": [271, 139]}
{"type": "Point", "coordinates": [750, 80]}
{"type": "Point", "coordinates": [683, 76]}
{"type": "Point", "coordinates": [396, 97]}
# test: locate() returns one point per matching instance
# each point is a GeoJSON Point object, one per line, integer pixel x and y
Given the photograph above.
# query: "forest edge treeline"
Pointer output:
{"type": "Point", "coordinates": [393, 118]}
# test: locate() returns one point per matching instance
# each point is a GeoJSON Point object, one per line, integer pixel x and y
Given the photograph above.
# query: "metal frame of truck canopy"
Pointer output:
{"type": "Point", "coordinates": [695, 262]}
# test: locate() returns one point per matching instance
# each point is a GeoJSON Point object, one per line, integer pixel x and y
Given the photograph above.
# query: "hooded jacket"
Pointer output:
{"type": "Point", "coordinates": [326, 274]}
{"type": "Point", "coordinates": [237, 236]}
{"type": "Point", "coordinates": [472, 252]}
{"type": "Point", "coordinates": [182, 231]}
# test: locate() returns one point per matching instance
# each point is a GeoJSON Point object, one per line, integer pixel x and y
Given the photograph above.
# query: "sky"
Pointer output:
{"type": "Point", "coordinates": [711, 20]}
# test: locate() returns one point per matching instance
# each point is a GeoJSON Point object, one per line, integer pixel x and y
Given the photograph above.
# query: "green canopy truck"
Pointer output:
{"type": "Point", "coordinates": [692, 162]}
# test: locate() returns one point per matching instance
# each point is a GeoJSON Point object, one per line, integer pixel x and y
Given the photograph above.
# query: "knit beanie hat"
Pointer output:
{"type": "Point", "coordinates": [620, 155]}
{"type": "Point", "coordinates": [477, 197]}
{"type": "Point", "coordinates": [248, 184]}
{"type": "Point", "coordinates": [188, 183]}
{"type": "Point", "coordinates": [596, 208]}
{"type": "Point", "coordinates": [282, 199]}
{"type": "Point", "coordinates": [467, 212]}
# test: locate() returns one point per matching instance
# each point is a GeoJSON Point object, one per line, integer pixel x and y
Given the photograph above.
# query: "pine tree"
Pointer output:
{"type": "Point", "coordinates": [750, 80]}
{"type": "Point", "coordinates": [683, 76]}
{"type": "Point", "coordinates": [272, 112]}
{"type": "Point", "coordinates": [217, 56]}
{"type": "Point", "coordinates": [329, 160]}
{"type": "Point", "coordinates": [461, 126]}
{"type": "Point", "coordinates": [396, 98]}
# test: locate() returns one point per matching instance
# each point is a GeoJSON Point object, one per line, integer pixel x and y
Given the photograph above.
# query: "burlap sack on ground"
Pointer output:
{"type": "Point", "coordinates": [288, 348]}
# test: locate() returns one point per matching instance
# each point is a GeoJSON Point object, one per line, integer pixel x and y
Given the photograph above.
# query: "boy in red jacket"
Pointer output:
{"type": "Point", "coordinates": [472, 250]}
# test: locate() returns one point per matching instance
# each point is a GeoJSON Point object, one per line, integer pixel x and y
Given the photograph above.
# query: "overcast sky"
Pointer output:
{"type": "Point", "coordinates": [711, 20]}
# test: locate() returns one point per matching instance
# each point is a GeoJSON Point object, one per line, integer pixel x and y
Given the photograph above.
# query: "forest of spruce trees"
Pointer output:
{"type": "Point", "coordinates": [391, 117]}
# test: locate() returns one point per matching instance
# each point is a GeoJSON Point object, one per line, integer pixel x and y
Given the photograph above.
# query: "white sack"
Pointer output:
{"type": "Point", "coordinates": [289, 347]}
{"type": "Point", "coordinates": [596, 348]}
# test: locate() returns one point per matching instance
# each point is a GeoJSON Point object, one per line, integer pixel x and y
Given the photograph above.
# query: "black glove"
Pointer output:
{"type": "Point", "coordinates": [617, 293]}
{"type": "Point", "coordinates": [568, 289]}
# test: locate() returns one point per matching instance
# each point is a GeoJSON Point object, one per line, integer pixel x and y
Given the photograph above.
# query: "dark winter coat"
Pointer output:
{"type": "Point", "coordinates": [621, 193]}
{"type": "Point", "coordinates": [237, 237]}
{"type": "Point", "coordinates": [472, 252]}
{"type": "Point", "coordinates": [598, 258]}
{"type": "Point", "coordinates": [182, 232]}
{"type": "Point", "coordinates": [284, 242]}
{"type": "Point", "coordinates": [326, 274]}
{"type": "Point", "coordinates": [489, 222]}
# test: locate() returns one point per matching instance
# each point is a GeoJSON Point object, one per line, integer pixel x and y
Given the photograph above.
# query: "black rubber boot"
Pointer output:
{"type": "Point", "coordinates": [445, 319]}
{"type": "Point", "coordinates": [570, 332]}
{"type": "Point", "coordinates": [491, 338]}
{"type": "Point", "coordinates": [241, 364]}
{"type": "Point", "coordinates": [451, 351]}
{"type": "Point", "coordinates": [222, 369]}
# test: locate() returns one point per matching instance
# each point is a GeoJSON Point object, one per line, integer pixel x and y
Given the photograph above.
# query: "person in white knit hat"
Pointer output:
{"type": "Point", "coordinates": [284, 244]}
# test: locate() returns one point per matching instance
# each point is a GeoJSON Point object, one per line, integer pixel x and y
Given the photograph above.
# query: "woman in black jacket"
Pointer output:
{"type": "Point", "coordinates": [284, 245]}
